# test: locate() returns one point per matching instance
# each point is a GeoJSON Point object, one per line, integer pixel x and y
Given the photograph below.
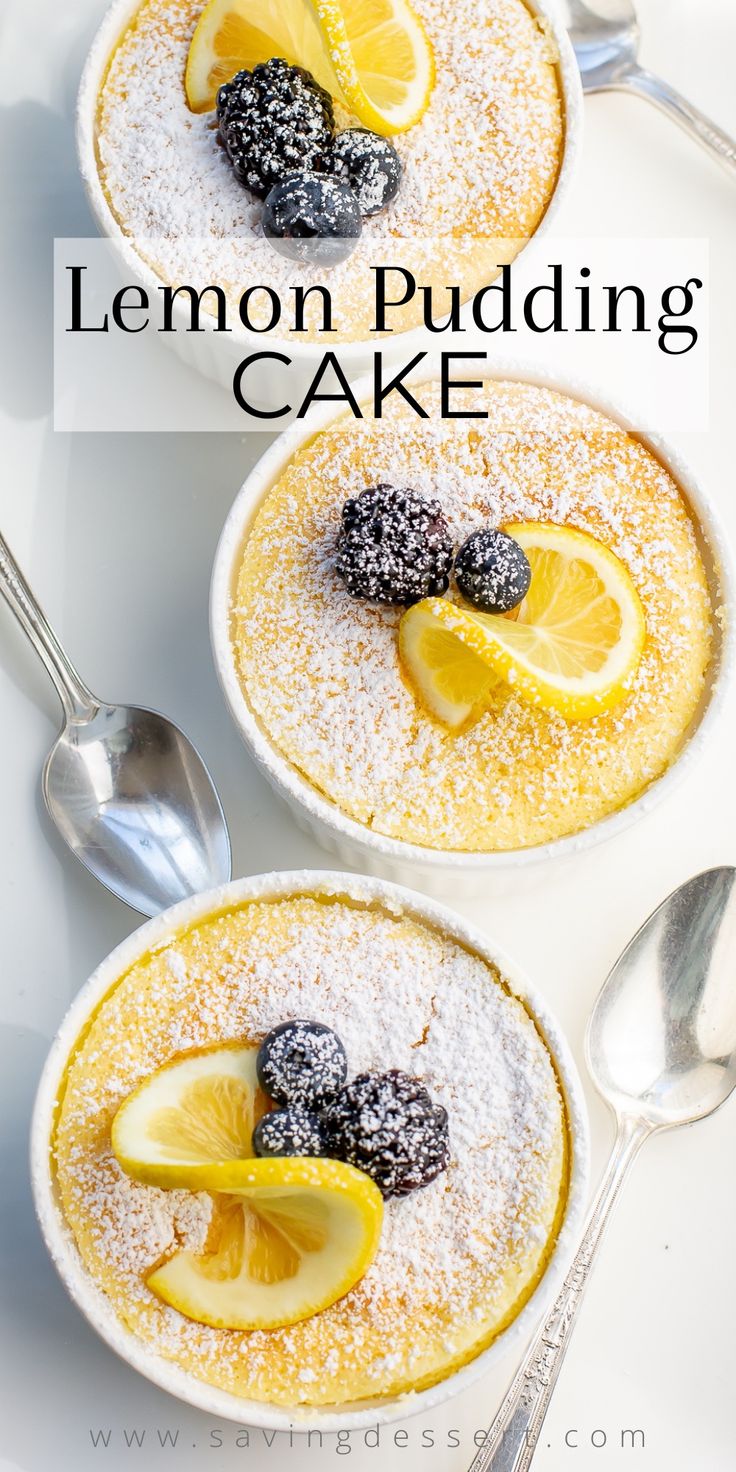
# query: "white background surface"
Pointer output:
{"type": "Point", "coordinates": [117, 534]}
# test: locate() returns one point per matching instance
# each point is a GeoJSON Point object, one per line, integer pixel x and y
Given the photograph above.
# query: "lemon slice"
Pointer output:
{"type": "Point", "coordinates": [288, 1238]}
{"type": "Point", "coordinates": [574, 648]}
{"type": "Point", "coordinates": [200, 1109]}
{"type": "Point", "coordinates": [233, 35]}
{"type": "Point", "coordinates": [452, 681]}
{"type": "Point", "coordinates": [383, 60]}
{"type": "Point", "coordinates": [372, 55]}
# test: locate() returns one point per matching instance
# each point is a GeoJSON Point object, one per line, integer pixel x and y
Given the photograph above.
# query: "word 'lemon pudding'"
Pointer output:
{"type": "Point", "coordinates": [321, 668]}
{"type": "Point", "coordinates": [415, 1010]}
{"type": "Point", "coordinates": [477, 169]}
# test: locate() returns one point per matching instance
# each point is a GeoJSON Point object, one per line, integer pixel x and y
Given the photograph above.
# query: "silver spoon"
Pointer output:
{"type": "Point", "coordinates": [605, 39]}
{"type": "Point", "coordinates": [661, 1049]}
{"type": "Point", "coordinates": [124, 786]}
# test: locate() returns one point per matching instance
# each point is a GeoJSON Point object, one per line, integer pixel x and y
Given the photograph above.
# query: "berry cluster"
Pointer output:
{"type": "Point", "coordinates": [385, 1124]}
{"type": "Point", "coordinates": [394, 546]}
{"type": "Point", "coordinates": [277, 126]}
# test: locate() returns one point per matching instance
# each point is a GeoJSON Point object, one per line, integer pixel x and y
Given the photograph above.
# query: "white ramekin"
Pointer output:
{"type": "Point", "coordinates": [92, 1301]}
{"type": "Point", "coordinates": [435, 871]}
{"type": "Point", "coordinates": [217, 355]}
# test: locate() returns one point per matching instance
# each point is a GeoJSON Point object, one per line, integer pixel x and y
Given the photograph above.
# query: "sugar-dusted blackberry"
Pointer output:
{"type": "Point", "coordinates": [370, 165]}
{"type": "Point", "coordinates": [394, 546]}
{"type": "Point", "coordinates": [492, 571]}
{"type": "Point", "coordinates": [386, 1125]}
{"type": "Point", "coordinates": [301, 1063]}
{"type": "Point", "coordinates": [275, 121]}
{"type": "Point", "coordinates": [313, 218]}
{"type": "Point", "coordinates": [292, 1131]}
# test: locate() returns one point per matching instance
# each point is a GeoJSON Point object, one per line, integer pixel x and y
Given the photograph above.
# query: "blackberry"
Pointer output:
{"type": "Point", "coordinates": [301, 1063]}
{"type": "Point", "coordinates": [274, 121]}
{"type": "Point", "coordinates": [291, 1131]}
{"type": "Point", "coordinates": [394, 546]}
{"type": "Point", "coordinates": [492, 571]}
{"type": "Point", "coordinates": [386, 1125]}
{"type": "Point", "coordinates": [370, 165]}
{"type": "Point", "coordinates": [313, 218]}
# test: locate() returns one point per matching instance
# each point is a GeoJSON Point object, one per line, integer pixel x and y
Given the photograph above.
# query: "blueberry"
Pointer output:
{"type": "Point", "coordinates": [301, 1063]}
{"type": "Point", "coordinates": [292, 1131]}
{"type": "Point", "coordinates": [370, 165]}
{"type": "Point", "coordinates": [312, 218]}
{"type": "Point", "coordinates": [492, 571]}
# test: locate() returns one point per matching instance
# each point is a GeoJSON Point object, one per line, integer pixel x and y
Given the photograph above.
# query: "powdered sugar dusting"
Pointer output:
{"type": "Point", "coordinates": [454, 1257]}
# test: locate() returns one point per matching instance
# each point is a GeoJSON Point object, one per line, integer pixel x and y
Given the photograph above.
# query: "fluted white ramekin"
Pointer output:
{"type": "Point", "coordinates": [217, 355]}
{"type": "Point", "coordinates": [93, 1303]}
{"type": "Point", "coordinates": [441, 872]}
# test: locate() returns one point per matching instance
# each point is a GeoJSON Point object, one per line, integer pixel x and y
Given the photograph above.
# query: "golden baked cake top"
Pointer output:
{"type": "Point", "coordinates": [456, 1260]}
{"type": "Point", "coordinates": [321, 670]}
{"type": "Point", "coordinates": [481, 163]}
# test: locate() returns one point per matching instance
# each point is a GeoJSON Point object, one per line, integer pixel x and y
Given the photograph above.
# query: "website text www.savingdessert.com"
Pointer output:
{"type": "Point", "coordinates": [415, 1441]}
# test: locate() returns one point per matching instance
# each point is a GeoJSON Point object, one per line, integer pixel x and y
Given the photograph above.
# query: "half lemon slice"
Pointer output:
{"type": "Point", "coordinates": [202, 1108]}
{"type": "Point", "coordinates": [382, 58]}
{"type": "Point", "coordinates": [288, 1238]}
{"type": "Point", "coordinates": [372, 55]}
{"type": "Point", "coordinates": [574, 647]}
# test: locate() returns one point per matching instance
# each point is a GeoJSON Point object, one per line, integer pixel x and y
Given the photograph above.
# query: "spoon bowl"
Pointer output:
{"type": "Point", "coordinates": [125, 787]}
{"type": "Point", "coordinates": [661, 1039]}
{"type": "Point", "coordinates": [133, 799]}
{"type": "Point", "coordinates": [605, 38]}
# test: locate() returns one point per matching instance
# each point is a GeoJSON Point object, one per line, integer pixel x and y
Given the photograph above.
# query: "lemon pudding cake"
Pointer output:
{"type": "Point", "coordinates": [460, 142]}
{"type": "Point", "coordinates": [474, 635]}
{"type": "Point", "coordinates": [411, 1165]}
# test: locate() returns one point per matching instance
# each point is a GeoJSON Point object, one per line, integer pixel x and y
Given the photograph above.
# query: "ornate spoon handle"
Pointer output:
{"type": "Point", "coordinates": [77, 700]}
{"type": "Point", "coordinates": [712, 138]}
{"type": "Point", "coordinates": [512, 1439]}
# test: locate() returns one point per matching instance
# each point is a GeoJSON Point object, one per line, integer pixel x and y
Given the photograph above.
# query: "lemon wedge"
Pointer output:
{"type": "Point", "coordinates": [199, 1109]}
{"type": "Point", "coordinates": [372, 55]}
{"type": "Point", "coordinates": [288, 1238]}
{"type": "Point", "coordinates": [574, 647]}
